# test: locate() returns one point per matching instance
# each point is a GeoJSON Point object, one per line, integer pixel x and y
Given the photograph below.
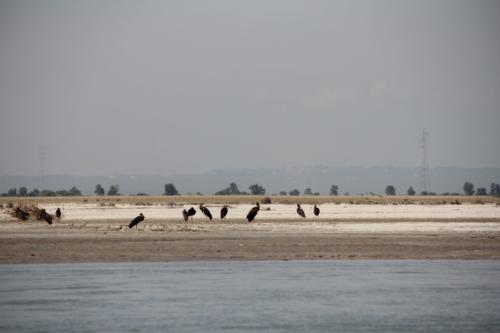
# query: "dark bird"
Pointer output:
{"type": "Point", "coordinates": [316, 210]}
{"type": "Point", "coordinates": [136, 221]}
{"type": "Point", "coordinates": [45, 216]}
{"type": "Point", "coordinates": [206, 212]}
{"type": "Point", "coordinates": [58, 213]}
{"type": "Point", "coordinates": [185, 215]}
{"type": "Point", "coordinates": [223, 212]}
{"type": "Point", "coordinates": [191, 211]}
{"type": "Point", "coordinates": [253, 212]}
{"type": "Point", "coordinates": [300, 211]}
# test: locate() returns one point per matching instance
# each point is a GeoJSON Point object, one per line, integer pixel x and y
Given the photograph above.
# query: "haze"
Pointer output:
{"type": "Point", "coordinates": [164, 87]}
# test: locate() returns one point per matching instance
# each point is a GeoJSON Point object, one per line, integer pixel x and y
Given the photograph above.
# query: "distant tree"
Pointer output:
{"type": "Point", "coordinates": [47, 193]}
{"type": "Point", "coordinates": [12, 192]}
{"type": "Point", "coordinates": [316, 193]}
{"type": "Point", "coordinates": [283, 193]}
{"type": "Point", "coordinates": [308, 191]}
{"type": "Point", "coordinates": [495, 190]}
{"type": "Point", "coordinates": [231, 190]}
{"type": "Point", "coordinates": [114, 190]}
{"type": "Point", "coordinates": [424, 193]}
{"type": "Point", "coordinates": [99, 190]}
{"type": "Point", "coordinates": [294, 192]}
{"type": "Point", "coordinates": [410, 191]}
{"type": "Point", "coordinates": [170, 189]}
{"type": "Point", "coordinates": [481, 191]}
{"type": "Point", "coordinates": [390, 190]}
{"type": "Point", "coordinates": [224, 191]}
{"type": "Point", "coordinates": [74, 191]}
{"type": "Point", "coordinates": [468, 188]}
{"type": "Point", "coordinates": [334, 190]}
{"type": "Point", "coordinates": [34, 193]}
{"type": "Point", "coordinates": [23, 191]}
{"type": "Point", "coordinates": [256, 189]}
{"type": "Point", "coordinates": [62, 193]}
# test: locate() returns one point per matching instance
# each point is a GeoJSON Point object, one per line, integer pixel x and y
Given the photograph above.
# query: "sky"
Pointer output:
{"type": "Point", "coordinates": [168, 87]}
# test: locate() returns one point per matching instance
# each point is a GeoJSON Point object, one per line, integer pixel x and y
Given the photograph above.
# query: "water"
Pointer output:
{"type": "Point", "coordinates": [300, 296]}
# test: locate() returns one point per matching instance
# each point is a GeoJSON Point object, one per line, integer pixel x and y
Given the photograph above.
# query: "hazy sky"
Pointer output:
{"type": "Point", "coordinates": [161, 87]}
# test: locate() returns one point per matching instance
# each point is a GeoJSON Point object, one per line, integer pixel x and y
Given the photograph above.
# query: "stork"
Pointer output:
{"type": "Point", "coordinates": [136, 221]}
{"type": "Point", "coordinates": [206, 212]}
{"type": "Point", "coordinates": [223, 212]}
{"type": "Point", "coordinates": [253, 212]}
{"type": "Point", "coordinates": [300, 211]}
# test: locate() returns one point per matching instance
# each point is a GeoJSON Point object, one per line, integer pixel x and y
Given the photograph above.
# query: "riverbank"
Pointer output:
{"type": "Point", "coordinates": [95, 233]}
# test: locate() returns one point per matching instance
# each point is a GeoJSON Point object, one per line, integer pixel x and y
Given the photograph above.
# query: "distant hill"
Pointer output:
{"type": "Point", "coordinates": [355, 180]}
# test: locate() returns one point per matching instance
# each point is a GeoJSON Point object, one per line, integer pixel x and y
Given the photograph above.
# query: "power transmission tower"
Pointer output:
{"type": "Point", "coordinates": [43, 157]}
{"type": "Point", "coordinates": [424, 166]}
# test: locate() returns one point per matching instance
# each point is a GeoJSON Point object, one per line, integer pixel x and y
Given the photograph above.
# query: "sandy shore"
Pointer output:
{"type": "Point", "coordinates": [94, 233]}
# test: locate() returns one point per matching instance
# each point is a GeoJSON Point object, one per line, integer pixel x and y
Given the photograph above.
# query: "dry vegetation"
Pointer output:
{"type": "Point", "coordinates": [239, 199]}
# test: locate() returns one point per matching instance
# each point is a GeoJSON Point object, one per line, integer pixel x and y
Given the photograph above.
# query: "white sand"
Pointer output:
{"type": "Point", "coordinates": [89, 212]}
{"type": "Point", "coordinates": [88, 232]}
{"type": "Point", "coordinates": [407, 219]}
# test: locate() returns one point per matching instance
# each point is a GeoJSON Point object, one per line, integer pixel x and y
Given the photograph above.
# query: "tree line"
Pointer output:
{"type": "Point", "coordinates": [23, 192]}
{"type": "Point", "coordinates": [232, 189]}
{"type": "Point", "coordinates": [468, 189]}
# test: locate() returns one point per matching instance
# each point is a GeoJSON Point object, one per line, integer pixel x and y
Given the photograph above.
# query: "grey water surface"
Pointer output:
{"type": "Point", "coordinates": [271, 296]}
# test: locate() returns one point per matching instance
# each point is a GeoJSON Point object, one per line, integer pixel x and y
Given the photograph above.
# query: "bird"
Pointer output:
{"type": "Point", "coordinates": [45, 216]}
{"type": "Point", "coordinates": [223, 212]}
{"type": "Point", "coordinates": [316, 210]}
{"type": "Point", "coordinates": [136, 221]}
{"type": "Point", "coordinates": [300, 211]}
{"type": "Point", "coordinates": [48, 218]}
{"type": "Point", "coordinates": [191, 211]}
{"type": "Point", "coordinates": [58, 213]}
{"type": "Point", "coordinates": [253, 212]}
{"type": "Point", "coordinates": [206, 212]}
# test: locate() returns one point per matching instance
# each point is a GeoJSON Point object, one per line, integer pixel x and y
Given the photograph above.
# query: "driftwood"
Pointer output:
{"type": "Point", "coordinates": [25, 213]}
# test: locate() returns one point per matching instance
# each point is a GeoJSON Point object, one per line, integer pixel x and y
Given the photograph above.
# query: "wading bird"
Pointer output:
{"type": "Point", "coordinates": [300, 211]}
{"type": "Point", "coordinates": [191, 211]}
{"type": "Point", "coordinates": [316, 210]}
{"type": "Point", "coordinates": [223, 212]}
{"type": "Point", "coordinates": [43, 215]}
{"type": "Point", "coordinates": [206, 212]}
{"type": "Point", "coordinates": [58, 213]}
{"type": "Point", "coordinates": [136, 221]}
{"type": "Point", "coordinates": [253, 212]}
